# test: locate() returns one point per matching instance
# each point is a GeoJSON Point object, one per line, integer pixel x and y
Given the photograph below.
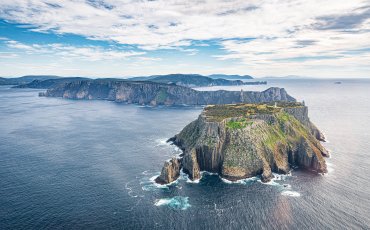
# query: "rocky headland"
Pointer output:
{"type": "Point", "coordinates": [150, 93]}
{"type": "Point", "coordinates": [238, 141]}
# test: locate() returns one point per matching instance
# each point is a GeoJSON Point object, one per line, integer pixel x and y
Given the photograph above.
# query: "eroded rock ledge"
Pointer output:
{"type": "Point", "coordinates": [245, 140]}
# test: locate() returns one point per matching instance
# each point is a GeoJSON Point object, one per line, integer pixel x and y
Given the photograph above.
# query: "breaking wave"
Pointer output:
{"type": "Point", "coordinates": [291, 193]}
{"type": "Point", "coordinates": [177, 202]}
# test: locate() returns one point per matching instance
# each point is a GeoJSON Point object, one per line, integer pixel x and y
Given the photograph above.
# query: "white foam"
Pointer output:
{"type": "Point", "coordinates": [177, 202]}
{"type": "Point", "coordinates": [329, 167]}
{"type": "Point", "coordinates": [162, 142]}
{"type": "Point", "coordinates": [271, 182]}
{"type": "Point", "coordinates": [192, 181]}
{"type": "Point", "coordinates": [281, 177]}
{"type": "Point", "coordinates": [184, 176]}
{"type": "Point", "coordinates": [130, 191]}
{"type": "Point", "coordinates": [145, 172]}
{"type": "Point", "coordinates": [144, 106]}
{"type": "Point", "coordinates": [277, 177]}
{"type": "Point", "coordinates": [291, 193]}
{"type": "Point", "coordinates": [130, 194]}
{"type": "Point", "coordinates": [152, 179]}
{"type": "Point", "coordinates": [209, 173]}
{"type": "Point", "coordinates": [151, 184]}
{"type": "Point", "coordinates": [241, 181]}
{"type": "Point", "coordinates": [161, 202]}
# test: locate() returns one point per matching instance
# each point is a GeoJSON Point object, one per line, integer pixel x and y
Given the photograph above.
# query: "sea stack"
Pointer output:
{"type": "Point", "coordinates": [238, 141]}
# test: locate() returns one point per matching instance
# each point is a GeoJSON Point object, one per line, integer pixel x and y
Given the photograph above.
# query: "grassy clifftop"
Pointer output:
{"type": "Point", "coordinates": [221, 112]}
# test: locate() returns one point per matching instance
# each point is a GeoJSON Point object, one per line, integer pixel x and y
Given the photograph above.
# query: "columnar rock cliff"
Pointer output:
{"type": "Point", "coordinates": [150, 93]}
{"type": "Point", "coordinates": [245, 140]}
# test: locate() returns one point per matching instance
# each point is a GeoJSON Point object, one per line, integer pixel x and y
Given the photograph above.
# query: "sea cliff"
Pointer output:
{"type": "Point", "coordinates": [150, 93]}
{"type": "Point", "coordinates": [244, 140]}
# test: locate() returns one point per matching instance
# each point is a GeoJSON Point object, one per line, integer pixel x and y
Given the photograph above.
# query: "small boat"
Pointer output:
{"type": "Point", "coordinates": [338, 82]}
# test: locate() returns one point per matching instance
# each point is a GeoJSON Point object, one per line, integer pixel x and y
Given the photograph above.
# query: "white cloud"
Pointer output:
{"type": "Point", "coordinates": [89, 53]}
{"type": "Point", "coordinates": [288, 34]}
{"type": "Point", "coordinates": [8, 55]}
{"type": "Point", "coordinates": [321, 54]}
{"type": "Point", "coordinates": [149, 59]}
{"type": "Point", "coordinates": [171, 22]}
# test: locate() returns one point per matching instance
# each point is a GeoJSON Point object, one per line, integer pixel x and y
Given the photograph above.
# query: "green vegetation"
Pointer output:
{"type": "Point", "coordinates": [275, 136]}
{"type": "Point", "coordinates": [284, 117]}
{"type": "Point", "coordinates": [278, 133]}
{"type": "Point", "coordinates": [161, 96]}
{"type": "Point", "coordinates": [240, 124]}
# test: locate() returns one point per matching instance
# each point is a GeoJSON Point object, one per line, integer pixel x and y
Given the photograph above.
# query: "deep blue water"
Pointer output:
{"type": "Point", "coordinates": [67, 164]}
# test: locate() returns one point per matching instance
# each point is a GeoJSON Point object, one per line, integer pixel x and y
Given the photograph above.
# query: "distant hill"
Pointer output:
{"type": "Point", "coordinates": [288, 77]}
{"type": "Point", "coordinates": [165, 77]}
{"type": "Point", "coordinates": [230, 76]}
{"type": "Point", "coordinates": [187, 80]}
{"type": "Point", "coordinates": [49, 83]}
{"type": "Point", "coordinates": [192, 80]}
{"type": "Point", "coordinates": [26, 79]}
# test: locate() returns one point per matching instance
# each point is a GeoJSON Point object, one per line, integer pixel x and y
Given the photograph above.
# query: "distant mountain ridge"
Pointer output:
{"type": "Point", "coordinates": [25, 79]}
{"type": "Point", "coordinates": [195, 80]}
{"type": "Point", "coordinates": [50, 83]}
{"type": "Point", "coordinates": [213, 76]}
{"type": "Point", "coordinates": [231, 76]}
{"type": "Point", "coordinates": [187, 80]}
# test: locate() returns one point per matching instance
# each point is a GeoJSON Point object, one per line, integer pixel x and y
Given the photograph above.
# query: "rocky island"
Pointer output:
{"type": "Point", "coordinates": [152, 93]}
{"type": "Point", "coordinates": [238, 141]}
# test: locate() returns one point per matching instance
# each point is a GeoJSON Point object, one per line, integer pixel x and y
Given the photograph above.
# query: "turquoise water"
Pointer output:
{"type": "Point", "coordinates": [67, 164]}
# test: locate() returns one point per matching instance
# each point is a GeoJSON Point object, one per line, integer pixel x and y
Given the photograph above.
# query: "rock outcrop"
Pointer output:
{"type": "Point", "coordinates": [149, 93]}
{"type": "Point", "coordinates": [170, 171]}
{"type": "Point", "coordinates": [245, 140]}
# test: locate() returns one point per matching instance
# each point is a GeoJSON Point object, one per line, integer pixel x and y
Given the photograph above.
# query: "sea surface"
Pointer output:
{"type": "Point", "coordinates": [69, 164]}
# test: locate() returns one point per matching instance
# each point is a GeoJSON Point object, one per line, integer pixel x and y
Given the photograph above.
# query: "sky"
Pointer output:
{"type": "Point", "coordinates": [121, 38]}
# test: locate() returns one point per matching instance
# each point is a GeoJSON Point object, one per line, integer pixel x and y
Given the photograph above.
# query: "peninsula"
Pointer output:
{"type": "Point", "coordinates": [238, 141]}
{"type": "Point", "coordinates": [151, 93]}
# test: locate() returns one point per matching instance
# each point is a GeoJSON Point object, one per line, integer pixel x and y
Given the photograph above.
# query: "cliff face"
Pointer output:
{"type": "Point", "coordinates": [241, 141]}
{"type": "Point", "coordinates": [150, 93]}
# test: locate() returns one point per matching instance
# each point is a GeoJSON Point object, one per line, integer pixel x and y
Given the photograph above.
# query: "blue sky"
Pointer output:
{"type": "Point", "coordinates": [117, 38]}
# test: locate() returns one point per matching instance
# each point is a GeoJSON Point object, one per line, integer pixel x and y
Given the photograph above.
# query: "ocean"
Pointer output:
{"type": "Point", "coordinates": [69, 164]}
